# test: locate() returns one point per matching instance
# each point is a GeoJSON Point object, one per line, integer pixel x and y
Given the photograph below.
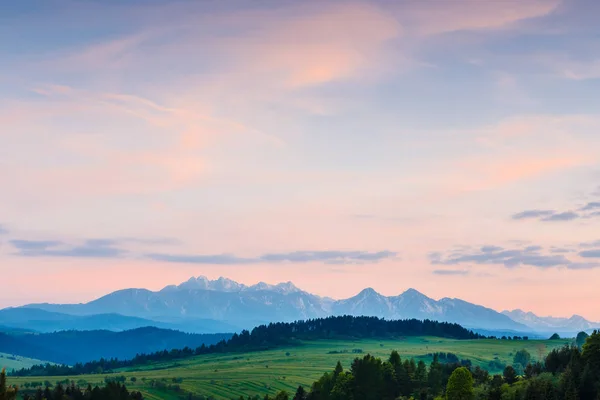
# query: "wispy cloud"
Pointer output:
{"type": "Point", "coordinates": [32, 245]}
{"type": "Point", "coordinates": [214, 259]}
{"type": "Point", "coordinates": [563, 216]}
{"type": "Point", "coordinates": [329, 256]}
{"type": "Point", "coordinates": [3, 230]}
{"type": "Point", "coordinates": [595, 205]}
{"type": "Point", "coordinates": [444, 17]}
{"type": "Point", "coordinates": [450, 272]}
{"type": "Point", "coordinates": [332, 257]}
{"type": "Point", "coordinates": [534, 256]}
{"type": "Point", "coordinates": [590, 254]}
{"type": "Point", "coordinates": [47, 248]}
{"type": "Point", "coordinates": [533, 214]}
{"type": "Point", "coordinates": [589, 210]}
{"type": "Point", "coordinates": [588, 245]}
{"type": "Point", "coordinates": [560, 250]}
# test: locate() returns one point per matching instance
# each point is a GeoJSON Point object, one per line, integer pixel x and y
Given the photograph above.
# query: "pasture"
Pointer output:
{"type": "Point", "coordinates": [11, 361]}
{"type": "Point", "coordinates": [230, 375]}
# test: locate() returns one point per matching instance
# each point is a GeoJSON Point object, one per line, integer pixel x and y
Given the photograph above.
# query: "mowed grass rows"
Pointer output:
{"type": "Point", "coordinates": [227, 376]}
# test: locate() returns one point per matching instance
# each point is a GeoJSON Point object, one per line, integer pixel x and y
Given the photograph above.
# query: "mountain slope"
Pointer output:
{"type": "Point", "coordinates": [551, 324]}
{"type": "Point", "coordinates": [412, 304]}
{"type": "Point", "coordinates": [245, 307]}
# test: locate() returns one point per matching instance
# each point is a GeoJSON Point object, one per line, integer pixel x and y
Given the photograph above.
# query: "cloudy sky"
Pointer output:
{"type": "Point", "coordinates": [452, 147]}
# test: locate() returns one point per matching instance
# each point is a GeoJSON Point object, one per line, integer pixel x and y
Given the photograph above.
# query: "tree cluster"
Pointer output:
{"type": "Point", "coordinates": [112, 391]}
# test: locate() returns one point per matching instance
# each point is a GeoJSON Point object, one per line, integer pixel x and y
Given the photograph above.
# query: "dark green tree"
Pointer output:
{"type": "Point", "coordinates": [283, 395]}
{"type": "Point", "coordinates": [395, 359]}
{"type": "Point", "coordinates": [6, 392]}
{"type": "Point", "coordinates": [321, 388]}
{"type": "Point", "coordinates": [368, 378]}
{"type": "Point", "coordinates": [343, 388]}
{"type": "Point", "coordinates": [541, 388]}
{"type": "Point", "coordinates": [460, 385]}
{"type": "Point", "coordinates": [338, 369]}
{"type": "Point", "coordinates": [480, 375]}
{"type": "Point", "coordinates": [581, 338]}
{"type": "Point", "coordinates": [435, 379]}
{"type": "Point", "coordinates": [522, 357]}
{"type": "Point", "coordinates": [510, 375]}
{"type": "Point", "coordinates": [390, 384]}
{"type": "Point", "coordinates": [495, 390]}
{"type": "Point", "coordinates": [590, 357]}
{"type": "Point", "coordinates": [568, 385]}
{"type": "Point", "coordinates": [300, 393]}
{"type": "Point", "coordinates": [420, 380]}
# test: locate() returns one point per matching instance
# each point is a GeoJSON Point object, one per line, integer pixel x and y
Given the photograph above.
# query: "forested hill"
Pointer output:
{"type": "Point", "coordinates": [273, 335]}
{"type": "Point", "coordinates": [350, 327]}
{"type": "Point", "coordinates": [70, 347]}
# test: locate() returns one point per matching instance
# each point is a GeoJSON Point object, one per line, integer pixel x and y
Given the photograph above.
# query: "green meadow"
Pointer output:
{"type": "Point", "coordinates": [230, 375]}
{"type": "Point", "coordinates": [10, 361]}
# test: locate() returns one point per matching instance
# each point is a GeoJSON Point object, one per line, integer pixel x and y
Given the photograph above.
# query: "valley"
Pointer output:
{"type": "Point", "coordinates": [150, 341]}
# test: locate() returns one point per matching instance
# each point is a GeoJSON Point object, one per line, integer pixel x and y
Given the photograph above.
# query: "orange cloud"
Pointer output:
{"type": "Point", "coordinates": [143, 146]}
{"type": "Point", "coordinates": [522, 148]}
{"type": "Point", "coordinates": [507, 170]}
{"type": "Point", "coordinates": [322, 45]}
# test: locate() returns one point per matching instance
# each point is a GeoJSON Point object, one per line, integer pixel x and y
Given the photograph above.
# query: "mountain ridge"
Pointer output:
{"type": "Point", "coordinates": [250, 305]}
{"type": "Point", "coordinates": [549, 323]}
{"type": "Point", "coordinates": [245, 306]}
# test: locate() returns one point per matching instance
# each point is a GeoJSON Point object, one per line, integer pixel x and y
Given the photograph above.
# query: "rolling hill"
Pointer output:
{"type": "Point", "coordinates": [70, 347]}
{"type": "Point", "coordinates": [230, 375]}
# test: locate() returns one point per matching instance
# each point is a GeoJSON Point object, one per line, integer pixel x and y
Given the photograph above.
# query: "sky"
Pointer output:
{"type": "Point", "coordinates": [452, 147]}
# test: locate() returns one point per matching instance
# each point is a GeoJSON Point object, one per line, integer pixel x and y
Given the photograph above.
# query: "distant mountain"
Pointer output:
{"type": "Point", "coordinates": [70, 347]}
{"type": "Point", "coordinates": [551, 324]}
{"type": "Point", "coordinates": [413, 304]}
{"type": "Point", "coordinates": [245, 306]}
{"type": "Point", "coordinates": [39, 320]}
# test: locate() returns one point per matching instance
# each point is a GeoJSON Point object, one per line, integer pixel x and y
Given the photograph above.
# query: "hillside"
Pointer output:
{"type": "Point", "coordinates": [70, 347]}
{"type": "Point", "coordinates": [263, 337]}
{"type": "Point", "coordinates": [12, 362]}
{"type": "Point", "coordinates": [227, 376]}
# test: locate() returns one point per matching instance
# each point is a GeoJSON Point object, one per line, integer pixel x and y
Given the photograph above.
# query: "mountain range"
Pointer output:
{"type": "Point", "coordinates": [201, 305]}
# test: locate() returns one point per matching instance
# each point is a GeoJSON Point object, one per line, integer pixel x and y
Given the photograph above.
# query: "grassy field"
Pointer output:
{"type": "Point", "coordinates": [11, 362]}
{"type": "Point", "coordinates": [227, 376]}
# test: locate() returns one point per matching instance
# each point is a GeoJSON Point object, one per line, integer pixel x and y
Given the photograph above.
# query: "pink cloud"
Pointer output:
{"type": "Point", "coordinates": [433, 17]}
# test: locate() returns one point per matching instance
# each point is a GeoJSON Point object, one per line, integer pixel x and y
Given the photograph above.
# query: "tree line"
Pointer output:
{"type": "Point", "coordinates": [265, 337]}
{"type": "Point", "coordinates": [111, 391]}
